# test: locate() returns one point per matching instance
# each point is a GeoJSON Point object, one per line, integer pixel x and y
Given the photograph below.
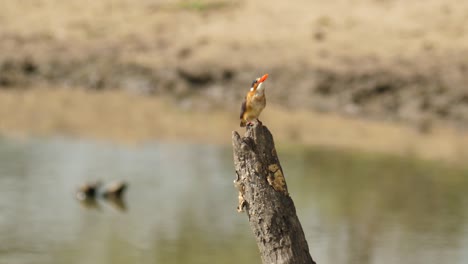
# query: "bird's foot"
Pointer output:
{"type": "Point", "coordinates": [252, 123]}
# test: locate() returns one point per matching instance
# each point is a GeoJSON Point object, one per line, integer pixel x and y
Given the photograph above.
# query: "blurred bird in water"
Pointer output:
{"type": "Point", "coordinates": [254, 102]}
{"type": "Point", "coordinates": [88, 191]}
{"type": "Point", "coordinates": [115, 190]}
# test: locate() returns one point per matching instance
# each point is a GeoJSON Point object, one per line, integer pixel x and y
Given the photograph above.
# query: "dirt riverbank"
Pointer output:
{"type": "Point", "coordinates": [401, 63]}
{"type": "Point", "coordinates": [391, 60]}
{"type": "Point", "coordinates": [134, 119]}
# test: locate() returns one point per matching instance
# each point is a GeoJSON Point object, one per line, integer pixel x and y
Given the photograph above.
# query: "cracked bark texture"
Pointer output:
{"type": "Point", "coordinates": [264, 197]}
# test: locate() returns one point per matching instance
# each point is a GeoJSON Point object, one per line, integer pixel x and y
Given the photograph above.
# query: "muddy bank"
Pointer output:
{"type": "Point", "coordinates": [386, 60]}
{"type": "Point", "coordinates": [134, 119]}
{"type": "Point", "coordinates": [417, 91]}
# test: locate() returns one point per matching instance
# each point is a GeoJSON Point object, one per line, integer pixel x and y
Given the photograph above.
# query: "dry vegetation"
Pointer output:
{"type": "Point", "coordinates": [376, 59]}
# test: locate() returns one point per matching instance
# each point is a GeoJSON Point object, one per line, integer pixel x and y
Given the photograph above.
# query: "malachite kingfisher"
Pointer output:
{"type": "Point", "coordinates": [254, 102]}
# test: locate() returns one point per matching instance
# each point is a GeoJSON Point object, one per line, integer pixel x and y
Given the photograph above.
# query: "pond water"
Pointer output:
{"type": "Point", "coordinates": [181, 205]}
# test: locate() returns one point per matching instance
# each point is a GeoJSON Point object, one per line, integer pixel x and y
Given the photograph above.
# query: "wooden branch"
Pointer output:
{"type": "Point", "coordinates": [264, 195]}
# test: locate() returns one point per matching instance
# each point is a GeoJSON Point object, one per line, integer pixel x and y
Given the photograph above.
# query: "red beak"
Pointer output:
{"type": "Point", "coordinates": [264, 77]}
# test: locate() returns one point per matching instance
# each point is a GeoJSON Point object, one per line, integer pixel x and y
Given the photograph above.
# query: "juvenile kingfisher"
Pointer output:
{"type": "Point", "coordinates": [254, 102]}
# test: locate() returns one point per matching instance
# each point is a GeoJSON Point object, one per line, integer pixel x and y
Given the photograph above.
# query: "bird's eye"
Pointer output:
{"type": "Point", "coordinates": [254, 82]}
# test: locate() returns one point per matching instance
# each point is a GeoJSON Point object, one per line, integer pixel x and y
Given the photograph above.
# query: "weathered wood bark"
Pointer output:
{"type": "Point", "coordinates": [264, 196]}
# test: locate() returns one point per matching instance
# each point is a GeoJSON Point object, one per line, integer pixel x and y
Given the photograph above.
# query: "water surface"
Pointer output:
{"type": "Point", "coordinates": [180, 205]}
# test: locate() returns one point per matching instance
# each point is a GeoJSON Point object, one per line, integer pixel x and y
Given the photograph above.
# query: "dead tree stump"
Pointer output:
{"type": "Point", "coordinates": [264, 196]}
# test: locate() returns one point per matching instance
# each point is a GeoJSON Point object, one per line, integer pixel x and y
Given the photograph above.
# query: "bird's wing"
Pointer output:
{"type": "Point", "coordinates": [243, 108]}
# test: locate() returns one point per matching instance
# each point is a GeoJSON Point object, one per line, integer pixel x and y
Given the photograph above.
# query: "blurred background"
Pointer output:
{"type": "Point", "coordinates": [367, 102]}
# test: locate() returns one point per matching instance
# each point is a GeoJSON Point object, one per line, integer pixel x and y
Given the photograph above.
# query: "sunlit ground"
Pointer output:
{"type": "Point", "coordinates": [129, 118]}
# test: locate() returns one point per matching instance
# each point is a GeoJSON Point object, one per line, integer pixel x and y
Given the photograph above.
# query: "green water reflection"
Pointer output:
{"type": "Point", "coordinates": [354, 207]}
